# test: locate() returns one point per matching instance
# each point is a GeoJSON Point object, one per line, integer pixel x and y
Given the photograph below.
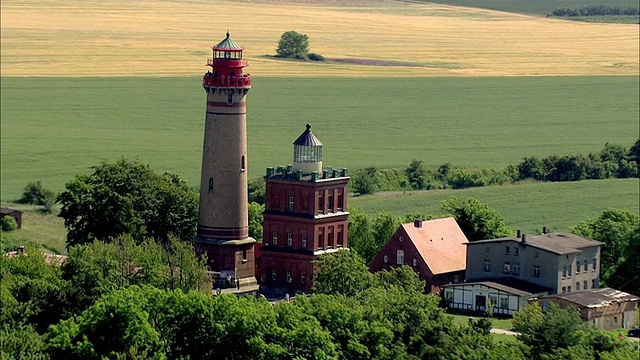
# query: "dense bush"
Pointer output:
{"type": "Point", "coordinates": [596, 10]}
{"type": "Point", "coordinates": [35, 194]}
{"type": "Point", "coordinates": [8, 223]}
{"type": "Point", "coordinates": [315, 57]}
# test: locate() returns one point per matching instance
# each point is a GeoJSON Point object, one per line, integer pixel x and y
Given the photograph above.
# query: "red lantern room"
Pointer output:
{"type": "Point", "coordinates": [227, 65]}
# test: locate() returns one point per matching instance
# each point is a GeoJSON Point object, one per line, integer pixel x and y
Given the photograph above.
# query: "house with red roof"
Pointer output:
{"type": "Point", "coordinates": [435, 249]}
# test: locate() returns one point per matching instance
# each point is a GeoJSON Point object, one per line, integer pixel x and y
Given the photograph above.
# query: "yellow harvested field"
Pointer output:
{"type": "Point", "coordinates": [167, 37]}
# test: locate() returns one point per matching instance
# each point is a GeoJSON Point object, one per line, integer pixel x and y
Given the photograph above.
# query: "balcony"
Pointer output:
{"type": "Point", "coordinates": [239, 82]}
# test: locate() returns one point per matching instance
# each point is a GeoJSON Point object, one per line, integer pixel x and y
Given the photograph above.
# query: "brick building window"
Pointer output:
{"type": "Point", "coordinates": [330, 203]}
{"type": "Point", "coordinates": [303, 277]}
{"type": "Point", "coordinates": [289, 239]}
{"type": "Point", "coordinates": [385, 259]}
{"type": "Point", "coordinates": [400, 257]}
{"type": "Point", "coordinates": [273, 274]}
{"type": "Point", "coordinates": [292, 202]}
{"type": "Point", "coordinates": [244, 255]}
{"type": "Point", "coordinates": [340, 204]}
{"type": "Point", "coordinates": [274, 238]}
{"type": "Point", "coordinates": [507, 267]}
{"type": "Point", "coordinates": [303, 241]}
{"type": "Point", "coordinates": [289, 279]}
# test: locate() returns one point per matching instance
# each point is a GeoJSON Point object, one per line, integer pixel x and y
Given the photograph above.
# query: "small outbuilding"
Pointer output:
{"type": "Point", "coordinates": [605, 308]}
{"type": "Point", "coordinates": [503, 296]}
{"type": "Point", "coordinates": [15, 213]}
{"type": "Point", "coordinates": [435, 249]}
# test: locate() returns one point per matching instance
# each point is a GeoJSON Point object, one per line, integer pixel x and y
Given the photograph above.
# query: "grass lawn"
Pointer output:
{"type": "Point", "coordinates": [527, 207]}
{"type": "Point", "coordinates": [54, 128]}
{"type": "Point", "coordinates": [496, 323]}
{"type": "Point", "coordinates": [45, 231]}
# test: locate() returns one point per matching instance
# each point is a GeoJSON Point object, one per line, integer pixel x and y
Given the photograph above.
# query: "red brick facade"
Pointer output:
{"type": "Point", "coordinates": [303, 218]}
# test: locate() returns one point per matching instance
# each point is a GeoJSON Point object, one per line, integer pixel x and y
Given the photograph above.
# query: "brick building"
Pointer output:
{"type": "Point", "coordinates": [305, 216]}
{"type": "Point", "coordinates": [436, 249]}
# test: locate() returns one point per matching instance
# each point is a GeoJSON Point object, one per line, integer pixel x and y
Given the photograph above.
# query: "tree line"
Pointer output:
{"type": "Point", "coordinates": [613, 161]}
{"type": "Point", "coordinates": [596, 10]}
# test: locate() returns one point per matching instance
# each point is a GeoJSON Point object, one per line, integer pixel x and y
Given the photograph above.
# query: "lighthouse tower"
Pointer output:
{"type": "Point", "coordinates": [223, 221]}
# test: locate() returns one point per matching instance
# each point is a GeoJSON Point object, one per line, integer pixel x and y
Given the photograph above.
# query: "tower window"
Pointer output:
{"type": "Point", "coordinates": [242, 164]}
{"type": "Point", "coordinates": [210, 185]}
{"type": "Point", "coordinates": [230, 99]}
{"type": "Point", "coordinates": [273, 274]}
{"type": "Point", "coordinates": [244, 255]}
{"type": "Point", "coordinates": [289, 239]}
{"type": "Point", "coordinates": [303, 277]}
{"type": "Point", "coordinates": [289, 279]}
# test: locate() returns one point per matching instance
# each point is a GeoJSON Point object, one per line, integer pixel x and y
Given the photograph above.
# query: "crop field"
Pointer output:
{"type": "Point", "coordinates": [527, 207]}
{"type": "Point", "coordinates": [54, 128]}
{"type": "Point", "coordinates": [172, 37]}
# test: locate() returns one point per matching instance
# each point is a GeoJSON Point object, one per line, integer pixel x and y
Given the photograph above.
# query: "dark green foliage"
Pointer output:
{"type": "Point", "coordinates": [127, 197]}
{"type": "Point", "coordinates": [8, 223]}
{"type": "Point", "coordinates": [315, 57]}
{"type": "Point", "coordinates": [477, 220]}
{"type": "Point", "coordinates": [555, 333]}
{"type": "Point", "coordinates": [20, 342]}
{"type": "Point", "coordinates": [597, 10]}
{"type": "Point", "coordinates": [365, 181]}
{"type": "Point", "coordinates": [342, 273]}
{"type": "Point", "coordinates": [368, 235]}
{"type": "Point", "coordinates": [256, 191]}
{"type": "Point", "coordinates": [96, 269]}
{"type": "Point", "coordinates": [255, 220]}
{"type": "Point", "coordinates": [626, 276]}
{"type": "Point", "coordinates": [293, 43]}
{"type": "Point", "coordinates": [614, 228]}
{"type": "Point", "coordinates": [34, 193]}
{"type": "Point", "coordinates": [32, 292]}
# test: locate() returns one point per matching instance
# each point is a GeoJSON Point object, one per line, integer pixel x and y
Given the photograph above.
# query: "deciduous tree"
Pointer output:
{"type": "Point", "coordinates": [292, 43]}
{"type": "Point", "coordinates": [477, 220]}
{"type": "Point", "coordinates": [127, 197]}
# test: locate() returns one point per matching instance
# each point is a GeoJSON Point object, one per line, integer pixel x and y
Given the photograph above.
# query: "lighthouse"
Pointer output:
{"type": "Point", "coordinates": [223, 218]}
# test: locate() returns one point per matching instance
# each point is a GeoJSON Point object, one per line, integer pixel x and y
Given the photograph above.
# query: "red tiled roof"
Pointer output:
{"type": "Point", "coordinates": [441, 243]}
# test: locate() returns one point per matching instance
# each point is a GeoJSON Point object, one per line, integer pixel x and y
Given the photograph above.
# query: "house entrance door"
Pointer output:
{"type": "Point", "coordinates": [481, 303]}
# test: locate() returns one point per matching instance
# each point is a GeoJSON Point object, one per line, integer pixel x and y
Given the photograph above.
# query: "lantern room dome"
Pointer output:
{"type": "Point", "coordinates": [227, 44]}
{"type": "Point", "coordinates": [307, 138]}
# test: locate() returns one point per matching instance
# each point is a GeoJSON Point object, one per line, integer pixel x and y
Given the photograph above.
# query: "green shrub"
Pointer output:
{"type": "Point", "coordinates": [35, 194]}
{"type": "Point", "coordinates": [8, 223]}
{"type": "Point", "coordinates": [300, 56]}
{"type": "Point", "coordinates": [315, 57]}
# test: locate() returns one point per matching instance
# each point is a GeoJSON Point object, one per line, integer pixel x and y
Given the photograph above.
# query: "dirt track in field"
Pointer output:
{"type": "Point", "coordinates": [164, 37]}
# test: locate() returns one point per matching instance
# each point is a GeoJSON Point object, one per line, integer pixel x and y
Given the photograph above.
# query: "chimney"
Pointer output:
{"type": "Point", "coordinates": [518, 233]}
{"type": "Point", "coordinates": [418, 224]}
{"type": "Point", "coordinates": [523, 238]}
{"type": "Point", "coordinates": [544, 229]}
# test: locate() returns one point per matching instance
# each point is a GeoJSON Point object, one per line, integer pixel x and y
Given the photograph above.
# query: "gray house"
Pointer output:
{"type": "Point", "coordinates": [502, 274]}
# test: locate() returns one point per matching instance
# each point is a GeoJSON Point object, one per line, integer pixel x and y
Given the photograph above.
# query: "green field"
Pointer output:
{"type": "Point", "coordinates": [528, 207]}
{"type": "Point", "coordinates": [54, 128]}
{"type": "Point", "coordinates": [537, 7]}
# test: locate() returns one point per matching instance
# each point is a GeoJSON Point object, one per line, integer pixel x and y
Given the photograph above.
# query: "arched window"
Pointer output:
{"type": "Point", "coordinates": [400, 257]}
{"type": "Point", "coordinates": [229, 97]}
{"type": "Point", "coordinates": [210, 184]}
{"type": "Point", "coordinates": [385, 259]}
{"type": "Point", "coordinates": [242, 165]}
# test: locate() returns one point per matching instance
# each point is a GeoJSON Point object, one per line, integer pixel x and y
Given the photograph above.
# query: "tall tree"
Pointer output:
{"type": "Point", "coordinates": [613, 228]}
{"type": "Point", "coordinates": [343, 272]}
{"type": "Point", "coordinates": [477, 220]}
{"type": "Point", "coordinates": [127, 197]}
{"type": "Point", "coordinates": [292, 43]}
{"type": "Point", "coordinates": [626, 276]}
